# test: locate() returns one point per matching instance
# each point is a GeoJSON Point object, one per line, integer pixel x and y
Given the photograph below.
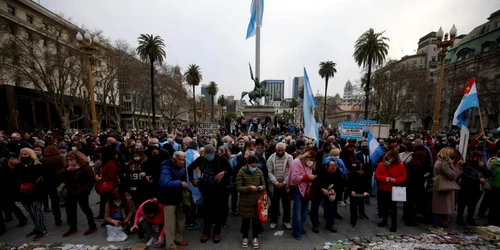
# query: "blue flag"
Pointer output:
{"type": "Point", "coordinates": [308, 107]}
{"type": "Point", "coordinates": [253, 18]}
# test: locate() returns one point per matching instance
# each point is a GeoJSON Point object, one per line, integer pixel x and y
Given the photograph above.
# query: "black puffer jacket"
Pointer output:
{"type": "Point", "coordinates": [35, 174]}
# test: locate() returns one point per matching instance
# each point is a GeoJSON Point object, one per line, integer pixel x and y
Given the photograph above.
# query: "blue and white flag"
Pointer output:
{"type": "Point", "coordinates": [470, 100]}
{"type": "Point", "coordinates": [376, 150]}
{"type": "Point", "coordinates": [308, 107]}
{"type": "Point", "coordinates": [190, 156]}
{"type": "Point", "coordinates": [253, 19]}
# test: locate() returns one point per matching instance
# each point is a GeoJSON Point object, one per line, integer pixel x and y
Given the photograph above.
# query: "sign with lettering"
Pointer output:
{"type": "Point", "coordinates": [352, 131]}
{"type": "Point", "coordinates": [207, 128]}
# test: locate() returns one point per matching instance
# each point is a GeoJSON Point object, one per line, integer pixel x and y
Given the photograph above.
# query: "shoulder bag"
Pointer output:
{"type": "Point", "coordinates": [443, 184]}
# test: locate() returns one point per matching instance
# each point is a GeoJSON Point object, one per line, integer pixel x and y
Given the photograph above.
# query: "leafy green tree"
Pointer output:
{"type": "Point", "coordinates": [326, 70]}
{"type": "Point", "coordinates": [193, 77]}
{"type": "Point", "coordinates": [212, 90]}
{"type": "Point", "coordinates": [370, 50]}
{"type": "Point", "coordinates": [151, 48]}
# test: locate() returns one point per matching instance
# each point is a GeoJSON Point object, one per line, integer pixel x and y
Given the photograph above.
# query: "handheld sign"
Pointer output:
{"type": "Point", "coordinates": [207, 128]}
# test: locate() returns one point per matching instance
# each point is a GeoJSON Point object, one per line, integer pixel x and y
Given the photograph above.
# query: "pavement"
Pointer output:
{"type": "Point", "coordinates": [231, 236]}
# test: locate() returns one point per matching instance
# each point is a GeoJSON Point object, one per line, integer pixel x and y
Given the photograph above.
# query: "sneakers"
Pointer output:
{"type": "Point", "coordinates": [244, 243]}
{"type": "Point", "coordinates": [342, 203]}
{"type": "Point", "coordinates": [33, 233]}
{"type": "Point", "coordinates": [151, 241]}
{"type": "Point", "coordinates": [255, 243]}
{"type": "Point", "coordinates": [181, 243]}
{"type": "Point", "coordinates": [287, 225]}
{"type": "Point", "coordinates": [204, 238]}
{"type": "Point", "coordinates": [272, 226]}
{"type": "Point", "coordinates": [40, 236]}
{"type": "Point", "coordinates": [331, 229]}
{"type": "Point", "coordinates": [90, 231]}
{"type": "Point", "coordinates": [70, 232]}
{"type": "Point", "coordinates": [216, 238]}
{"type": "Point", "coordinates": [193, 226]}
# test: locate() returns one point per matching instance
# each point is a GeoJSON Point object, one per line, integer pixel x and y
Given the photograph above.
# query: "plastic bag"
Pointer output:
{"type": "Point", "coordinates": [115, 234]}
{"type": "Point", "coordinates": [262, 205]}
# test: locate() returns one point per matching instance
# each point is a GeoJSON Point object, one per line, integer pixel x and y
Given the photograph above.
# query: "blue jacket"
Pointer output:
{"type": "Point", "coordinates": [171, 178]}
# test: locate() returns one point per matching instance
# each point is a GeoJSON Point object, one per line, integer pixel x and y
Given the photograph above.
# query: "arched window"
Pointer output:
{"type": "Point", "coordinates": [487, 46]}
{"type": "Point", "coordinates": [465, 54]}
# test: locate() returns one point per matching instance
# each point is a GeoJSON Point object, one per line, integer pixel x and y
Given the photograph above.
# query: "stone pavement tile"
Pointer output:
{"type": "Point", "coordinates": [231, 237]}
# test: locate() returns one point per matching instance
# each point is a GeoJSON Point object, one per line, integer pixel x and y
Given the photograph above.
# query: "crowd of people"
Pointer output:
{"type": "Point", "coordinates": [158, 183]}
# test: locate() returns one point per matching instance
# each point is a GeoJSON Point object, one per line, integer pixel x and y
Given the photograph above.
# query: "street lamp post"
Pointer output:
{"type": "Point", "coordinates": [88, 45]}
{"type": "Point", "coordinates": [443, 46]}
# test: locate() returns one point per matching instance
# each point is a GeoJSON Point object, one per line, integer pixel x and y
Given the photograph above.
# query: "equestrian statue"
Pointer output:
{"type": "Point", "coordinates": [259, 91]}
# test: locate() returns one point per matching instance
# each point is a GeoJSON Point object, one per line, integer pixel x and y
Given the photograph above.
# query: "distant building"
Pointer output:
{"type": "Point", "coordinates": [277, 89]}
{"type": "Point", "coordinates": [476, 55]}
{"type": "Point", "coordinates": [352, 97]}
{"type": "Point", "coordinates": [231, 104]}
{"type": "Point", "coordinates": [298, 83]}
{"type": "Point", "coordinates": [208, 97]}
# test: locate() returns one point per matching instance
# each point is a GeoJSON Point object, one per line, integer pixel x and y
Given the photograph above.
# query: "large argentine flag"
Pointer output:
{"type": "Point", "coordinates": [308, 107]}
{"type": "Point", "coordinates": [469, 101]}
{"type": "Point", "coordinates": [375, 149]}
{"type": "Point", "coordinates": [253, 18]}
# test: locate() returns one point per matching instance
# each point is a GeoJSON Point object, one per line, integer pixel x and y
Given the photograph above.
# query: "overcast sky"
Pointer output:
{"type": "Point", "coordinates": [295, 33]}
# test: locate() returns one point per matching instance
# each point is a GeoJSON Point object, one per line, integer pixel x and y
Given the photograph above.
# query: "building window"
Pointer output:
{"type": "Point", "coordinates": [29, 19]}
{"type": "Point", "coordinates": [11, 10]}
{"type": "Point", "coordinates": [486, 49]}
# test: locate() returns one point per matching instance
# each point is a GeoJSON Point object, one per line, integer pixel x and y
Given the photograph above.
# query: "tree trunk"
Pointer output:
{"type": "Point", "coordinates": [213, 118]}
{"type": "Point", "coordinates": [367, 87]}
{"type": "Point", "coordinates": [324, 103]}
{"type": "Point", "coordinates": [194, 106]}
{"type": "Point", "coordinates": [153, 92]}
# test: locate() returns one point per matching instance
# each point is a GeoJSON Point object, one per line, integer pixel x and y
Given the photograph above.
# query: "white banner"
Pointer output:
{"type": "Point", "coordinates": [462, 145]}
{"type": "Point", "coordinates": [207, 128]}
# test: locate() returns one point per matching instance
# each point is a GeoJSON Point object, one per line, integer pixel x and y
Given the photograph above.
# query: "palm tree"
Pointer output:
{"type": "Point", "coordinates": [193, 77]}
{"type": "Point", "coordinates": [326, 70]}
{"type": "Point", "coordinates": [222, 102]}
{"type": "Point", "coordinates": [212, 90]}
{"type": "Point", "coordinates": [370, 50]}
{"type": "Point", "coordinates": [151, 48]}
{"type": "Point", "coordinates": [293, 104]}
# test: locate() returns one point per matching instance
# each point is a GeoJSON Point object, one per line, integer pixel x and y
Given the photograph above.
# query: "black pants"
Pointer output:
{"type": "Point", "coordinates": [469, 199]}
{"type": "Point", "coordinates": [71, 213]}
{"type": "Point", "coordinates": [215, 212]}
{"type": "Point", "coordinates": [485, 203]}
{"type": "Point", "coordinates": [280, 194]}
{"type": "Point", "coordinates": [102, 205]}
{"type": "Point", "coordinates": [54, 202]}
{"type": "Point", "coordinates": [494, 207]}
{"type": "Point", "coordinates": [410, 207]}
{"type": "Point", "coordinates": [357, 206]}
{"type": "Point", "coordinates": [328, 211]}
{"type": "Point", "coordinates": [9, 207]}
{"type": "Point", "coordinates": [245, 227]}
{"type": "Point", "coordinates": [386, 204]}
{"type": "Point", "coordinates": [234, 200]}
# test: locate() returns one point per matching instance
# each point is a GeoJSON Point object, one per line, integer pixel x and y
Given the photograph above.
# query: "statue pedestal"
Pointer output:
{"type": "Point", "coordinates": [259, 111]}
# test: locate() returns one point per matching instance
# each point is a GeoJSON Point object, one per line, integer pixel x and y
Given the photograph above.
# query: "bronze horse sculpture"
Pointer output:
{"type": "Point", "coordinates": [259, 91]}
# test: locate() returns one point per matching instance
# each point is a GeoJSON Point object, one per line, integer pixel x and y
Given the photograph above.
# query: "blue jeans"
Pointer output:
{"type": "Point", "coordinates": [299, 213]}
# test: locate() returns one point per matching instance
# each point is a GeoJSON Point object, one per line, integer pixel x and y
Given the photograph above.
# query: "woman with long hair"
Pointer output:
{"type": "Point", "coordinates": [300, 182]}
{"type": "Point", "coordinates": [391, 172]}
{"type": "Point", "coordinates": [33, 190]}
{"type": "Point", "coordinates": [443, 203]}
{"type": "Point", "coordinates": [53, 161]}
{"type": "Point", "coordinates": [414, 187]}
{"type": "Point", "coordinates": [79, 180]}
{"type": "Point", "coordinates": [109, 172]}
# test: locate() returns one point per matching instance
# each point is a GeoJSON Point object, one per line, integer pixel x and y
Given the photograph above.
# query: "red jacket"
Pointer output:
{"type": "Point", "coordinates": [396, 171]}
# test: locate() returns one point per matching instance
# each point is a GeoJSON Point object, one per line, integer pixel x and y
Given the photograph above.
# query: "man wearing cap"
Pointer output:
{"type": "Point", "coordinates": [213, 182]}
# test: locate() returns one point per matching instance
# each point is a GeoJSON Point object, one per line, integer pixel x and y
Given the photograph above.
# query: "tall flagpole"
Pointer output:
{"type": "Point", "coordinates": [257, 46]}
